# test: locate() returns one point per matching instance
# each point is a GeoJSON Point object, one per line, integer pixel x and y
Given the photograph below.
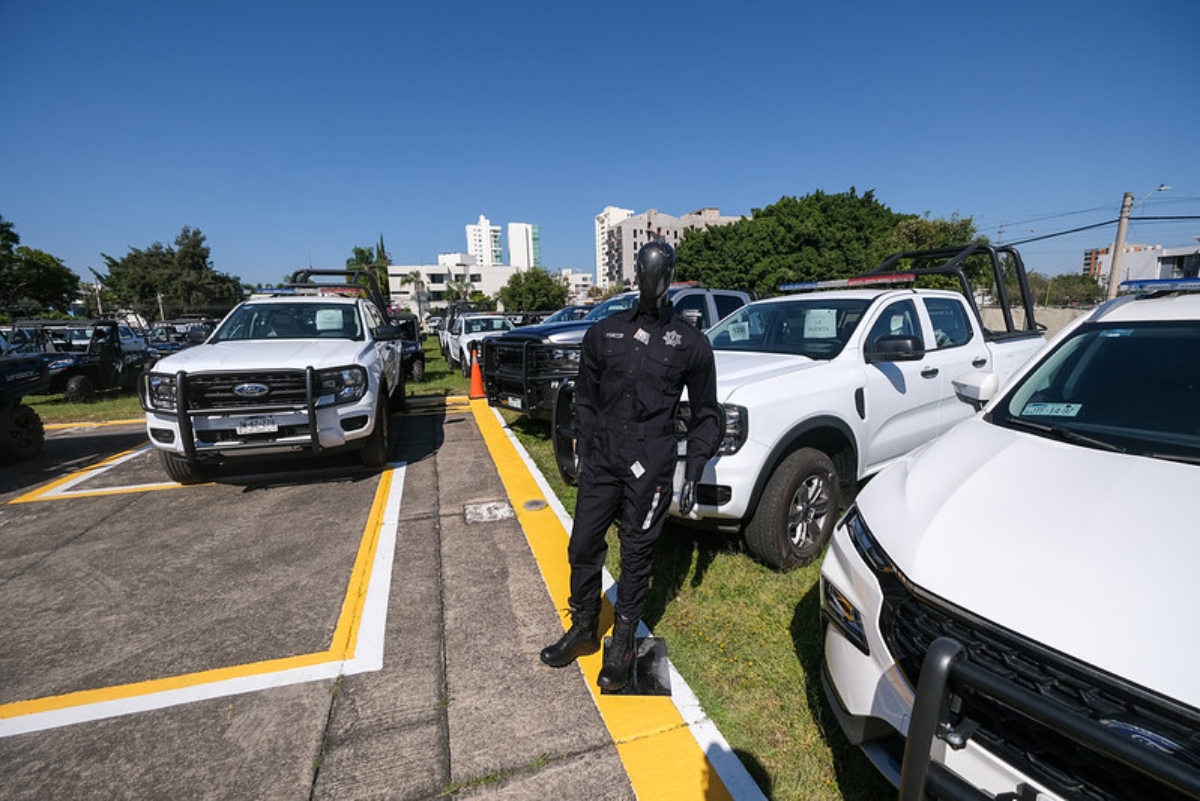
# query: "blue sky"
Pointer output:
{"type": "Point", "coordinates": [289, 132]}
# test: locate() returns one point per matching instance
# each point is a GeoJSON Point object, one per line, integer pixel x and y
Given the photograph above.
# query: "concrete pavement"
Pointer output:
{"type": "Point", "coordinates": [470, 556]}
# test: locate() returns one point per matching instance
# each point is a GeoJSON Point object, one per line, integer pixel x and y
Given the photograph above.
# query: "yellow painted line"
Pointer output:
{"type": "Point", "coordinates": [342, 647]}
{"type": "Point", "coordinates": [661, 755]}
{"type": "Point", "coordinates": [90, 424]}
{"type": "Point", "coordinates": [55, 490]}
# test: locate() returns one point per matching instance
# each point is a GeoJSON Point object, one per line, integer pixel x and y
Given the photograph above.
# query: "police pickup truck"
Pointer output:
{"type": "Point", "coordinates": [523, 369]}
{"type": "Point", "coordinates": [824, 387]}
{"type": "Point", "coordinates": [311, 368]}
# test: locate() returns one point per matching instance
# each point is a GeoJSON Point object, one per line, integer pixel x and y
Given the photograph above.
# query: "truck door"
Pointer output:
{"type": "Point", "coordinates": [902, 398]}
{"type": "Point", "coordinates": [954, 346]}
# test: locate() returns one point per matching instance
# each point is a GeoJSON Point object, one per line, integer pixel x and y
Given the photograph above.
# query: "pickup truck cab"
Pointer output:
{"type": "Point", "coordinates": [1006, 609]}
{"type": "Point", "coordinates": [313, 368]}
{"type": "Point", "coordinates": [468, 333]}
{"type": "Point", "coordinates": [824, 388]}
{"type": "Point", "coordinates": [523, 369]}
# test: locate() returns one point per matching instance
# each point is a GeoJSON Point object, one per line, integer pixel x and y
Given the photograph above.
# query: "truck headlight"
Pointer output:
{"type": "Point", "coordinates": [733, 436]}
{"type": "Point", "coordinates": [840, 611]}
{"type": "Point", "coordinates": [341, 385]}
{"type": "Point", "coordinates": [159, 393]}
{"type": "Point", "coordinates": [737, 426]}
{"type": "Point", "coordinates": [566, 359]}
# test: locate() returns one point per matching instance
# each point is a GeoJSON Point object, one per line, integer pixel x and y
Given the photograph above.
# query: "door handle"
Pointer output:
{"type": "Point", "coordinates": [929, 372]}
{"type": "Point", "coordinates": [979, 362]}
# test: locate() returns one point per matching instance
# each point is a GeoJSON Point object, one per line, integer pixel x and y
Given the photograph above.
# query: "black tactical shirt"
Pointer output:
{"type": "Point", "coordinates": [633, 368]}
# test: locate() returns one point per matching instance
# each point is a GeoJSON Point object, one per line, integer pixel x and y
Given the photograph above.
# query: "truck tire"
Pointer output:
{"type": "Point", "coordinates": [418, 371]}
{"type": "Point", "coordinates": [182, 471]}
{"type": "Point", "coordinates": [375, 451]}
{"type": "Point", "coordinates": [564, 431]}
{"type": "Point", "coordinates": [80, 389]}
{"type": "Point", "coordinates": [26, 435]}
{"type": "Point", "coordinates": [797, 511]}
{"type": "Point", "coordinates": [465, 363]}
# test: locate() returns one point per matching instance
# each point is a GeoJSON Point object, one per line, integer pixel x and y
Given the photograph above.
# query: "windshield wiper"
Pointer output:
{"type": "Point", "coordinates": [1175, 457]}
{"type": "Point", "coordinates": [1065, 434]}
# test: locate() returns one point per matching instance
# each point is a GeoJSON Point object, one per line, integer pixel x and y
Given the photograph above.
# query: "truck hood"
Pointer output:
{"type": "Point", "coordinates": [1090, 553]}
{"type": "Point", "coordinates": [264, 354]}
{"type": "Point", "coordinates": [565, 332]}
{"type": "Point", "coordinates": [738, 371]}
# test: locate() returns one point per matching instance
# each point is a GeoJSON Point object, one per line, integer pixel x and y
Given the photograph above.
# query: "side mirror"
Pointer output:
{"type": "Point", "coordinates": [976, 388]}
{"type": "Point", "coordinates": [895, 349]}
{"type": "Point", "coordinates": [693, 316]}
{"type": "Point", "coordinates": [387, 332]}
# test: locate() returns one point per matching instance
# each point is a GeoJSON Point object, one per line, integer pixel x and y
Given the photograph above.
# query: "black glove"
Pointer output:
{"type": "Point", "coordinates": [687, 497]}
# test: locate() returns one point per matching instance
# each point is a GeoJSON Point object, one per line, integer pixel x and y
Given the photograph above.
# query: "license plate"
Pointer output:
{"type": "Point", "coordinates": [514, 402]}
{"type": "Point", "coordinates": [264, 424]}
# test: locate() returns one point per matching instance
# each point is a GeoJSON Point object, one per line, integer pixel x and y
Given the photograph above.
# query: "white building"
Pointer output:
{"type": "Point", "coordinates": [483, 242]}
{"type": "Point", "coordinates": [605, 221]}
{"type": "Point", "coordinates": [579, 286]}
{"type": "Point", "coordinates": [459, 271]}
{"type": "Point", "coordinates": [1142, 262]}
{"type": "Point", "coordinates": [624, 238]}
{"type": "Point", "coordinates": [524, 246]}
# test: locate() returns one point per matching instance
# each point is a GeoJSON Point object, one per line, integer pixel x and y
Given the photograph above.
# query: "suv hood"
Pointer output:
{"type": "Point", "coordinates": [1088, 552]}
{"type": "Point", "coordinates": [257, 355]}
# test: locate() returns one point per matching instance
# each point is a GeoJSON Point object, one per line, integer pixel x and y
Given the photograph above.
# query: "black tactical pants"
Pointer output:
{"type": "Point", "coordinates": [627, 476]}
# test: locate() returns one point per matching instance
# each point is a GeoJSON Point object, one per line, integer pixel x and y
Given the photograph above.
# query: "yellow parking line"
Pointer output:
{"type": "Point", "coordinates": [660, 754]}
{"type": "Point", "coordinates": [342, 647]}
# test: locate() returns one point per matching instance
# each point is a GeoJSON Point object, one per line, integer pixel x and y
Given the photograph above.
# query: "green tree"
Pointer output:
{"type": "Point", "coordinates": [32, 281]}
{"type": "Point", "coordinates": [373, 261]}
{"type": "Point", "coordinates": [534, 290]}
{"type": "Point", "coordinates": [415, 279]}
{"type": "Point", "coordinates": [178, 280]}
{"type": "Point", "coordinates": [1073, 289]}
{"type": "Point", "coordinates": [816, 237]}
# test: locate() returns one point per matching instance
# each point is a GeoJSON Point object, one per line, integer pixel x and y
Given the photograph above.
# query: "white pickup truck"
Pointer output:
{"type": "Point", "coordinates": [312, 368]}
{"type": "Point", "coordinates": [823, 389]}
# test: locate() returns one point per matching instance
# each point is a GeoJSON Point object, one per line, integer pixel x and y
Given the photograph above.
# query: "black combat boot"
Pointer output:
{"type": "Point", "coordinates": [619, 655]}
{"type": "Point", "coordinates": [581, 639]}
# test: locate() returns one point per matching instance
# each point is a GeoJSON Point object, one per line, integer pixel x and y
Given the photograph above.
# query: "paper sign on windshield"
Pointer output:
{"type": "Point", "coordinates": [820, 324]}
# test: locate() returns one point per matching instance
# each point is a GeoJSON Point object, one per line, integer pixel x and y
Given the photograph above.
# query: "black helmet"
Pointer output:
{"type": "Point", "coordinates": [654, 269]}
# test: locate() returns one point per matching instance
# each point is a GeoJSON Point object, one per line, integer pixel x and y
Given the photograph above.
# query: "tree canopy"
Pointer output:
{"type": "Point", "coordinates": [31, 280]}
{"type": "Point", "coordinates": [180, 278]}
{"type": "Point", "coordinates": [816, 237]}
{"type": "Point", "coordinates": [533, 290]}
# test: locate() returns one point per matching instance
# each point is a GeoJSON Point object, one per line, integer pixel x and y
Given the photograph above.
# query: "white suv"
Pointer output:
{"type": "Point", "coordinates": [1010, 608]}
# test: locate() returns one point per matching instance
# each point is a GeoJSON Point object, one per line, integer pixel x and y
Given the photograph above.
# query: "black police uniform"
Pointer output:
{"type": "Point", "coordinates": [633, 368]}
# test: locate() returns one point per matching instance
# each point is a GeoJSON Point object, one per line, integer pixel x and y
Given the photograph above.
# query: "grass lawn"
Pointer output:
{"type": "Point", "coordinates": [747, 640]}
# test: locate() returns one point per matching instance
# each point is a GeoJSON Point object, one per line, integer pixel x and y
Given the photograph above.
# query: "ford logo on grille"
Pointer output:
{"type": "Point", "coordinates": [251, 390]}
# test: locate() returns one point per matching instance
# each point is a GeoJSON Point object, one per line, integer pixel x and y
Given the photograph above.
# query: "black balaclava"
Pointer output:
{"type": "Point", "coordinates": [654, 269]}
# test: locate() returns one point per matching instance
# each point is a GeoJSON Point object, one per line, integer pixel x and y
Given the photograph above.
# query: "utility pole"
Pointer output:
{"type": "Point", "coordinates": [1114, 271]}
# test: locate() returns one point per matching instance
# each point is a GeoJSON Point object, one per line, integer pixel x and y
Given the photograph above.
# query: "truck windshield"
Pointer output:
{"type": "Point", "coordinates": [809, 326]}
{"type": "Point", "coordinates": [1131, 387]}
{"type": "Point", "coordinates": [291, 321]}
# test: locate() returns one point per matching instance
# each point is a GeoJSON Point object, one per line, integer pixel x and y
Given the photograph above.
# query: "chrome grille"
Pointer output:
{"type": "Point", "coordinates": [286, 388]}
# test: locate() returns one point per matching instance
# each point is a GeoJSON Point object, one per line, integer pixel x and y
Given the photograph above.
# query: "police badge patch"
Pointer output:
{"type": "Point", "coordinates": [673, 338]}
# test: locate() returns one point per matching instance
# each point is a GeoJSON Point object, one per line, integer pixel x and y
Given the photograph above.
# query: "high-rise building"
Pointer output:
{"type": "Point", "coordinates": [624, 237]}
{"type": "Point", "coordinates": [524, 246]}
{"type": "Point", "coordinates": [605, 221]}
{"type": "Point", "coordinates": [483, 242]}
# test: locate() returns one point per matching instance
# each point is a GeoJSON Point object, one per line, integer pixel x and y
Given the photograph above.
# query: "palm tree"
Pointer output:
{"type": "Point", "coordinates": [416, 279]}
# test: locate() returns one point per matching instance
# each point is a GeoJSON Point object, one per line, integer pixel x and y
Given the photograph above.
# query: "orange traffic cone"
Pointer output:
{"type": "Point", "coordinates": [477, 390]}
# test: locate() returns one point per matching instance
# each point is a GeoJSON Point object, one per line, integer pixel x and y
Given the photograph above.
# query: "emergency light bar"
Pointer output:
{"type": "Point", "coordinates": [850, 283]}
{"type": "Point", "coordinates": [1149, 285]}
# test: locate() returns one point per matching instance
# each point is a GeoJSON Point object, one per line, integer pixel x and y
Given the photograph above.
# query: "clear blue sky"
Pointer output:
{"type": "Point", "coordinates": [289, 132]}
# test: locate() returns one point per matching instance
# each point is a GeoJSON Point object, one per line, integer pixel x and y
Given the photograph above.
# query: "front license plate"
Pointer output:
{"type": "Point", "coordinates": [264, 424]}
{"type": "Point", "coordinates": [514, 402]}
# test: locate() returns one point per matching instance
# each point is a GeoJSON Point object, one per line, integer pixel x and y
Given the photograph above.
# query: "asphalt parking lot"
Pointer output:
{"type": "Point", "coordinates": [313, 630]}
